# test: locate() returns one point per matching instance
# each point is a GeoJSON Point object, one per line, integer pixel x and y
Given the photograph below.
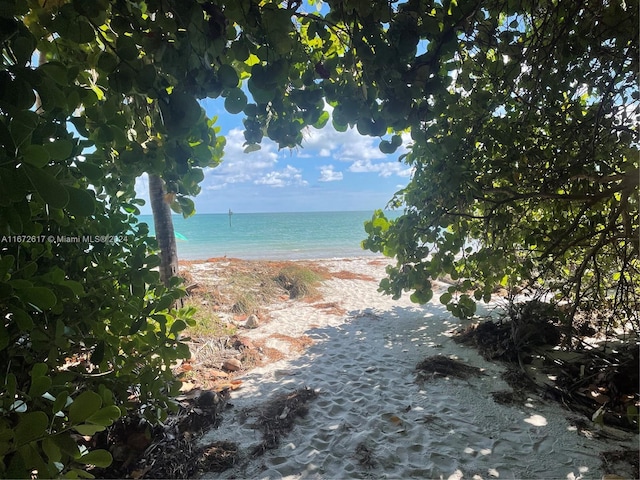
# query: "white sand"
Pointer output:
{"type": "Point", "coordinates": [362, 365]}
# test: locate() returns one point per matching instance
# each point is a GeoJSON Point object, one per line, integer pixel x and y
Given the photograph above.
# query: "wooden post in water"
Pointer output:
{"type": "Point", "coordinates": [230, 213]}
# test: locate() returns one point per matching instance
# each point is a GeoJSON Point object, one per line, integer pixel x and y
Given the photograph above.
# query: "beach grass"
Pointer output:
{"type": "Point", "coordinates": [300, 281]}
{"type": "Point", "coordinates": [208, 322]}
{"type": "Point", "coordinates": [246, 288]}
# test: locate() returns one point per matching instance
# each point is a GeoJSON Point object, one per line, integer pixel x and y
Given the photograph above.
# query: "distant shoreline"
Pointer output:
{"type": "Point", "coordinates": [278, 236]}
{"type": "Point", "coordinates": [217, 259]}
{"type": "Point", "coordinates": [226, 214]}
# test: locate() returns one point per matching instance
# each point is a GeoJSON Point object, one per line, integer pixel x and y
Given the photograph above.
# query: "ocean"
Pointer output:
{"type": "Point", "coordinates": [270, 236]}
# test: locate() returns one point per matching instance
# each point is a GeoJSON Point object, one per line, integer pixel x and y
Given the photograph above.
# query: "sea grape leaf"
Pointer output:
{"type": "Point", "coordinates": [84, 405]}
{"type": "Point", "coordinates": [82, 32]}
{"type": "Point", "coordinates": [41, 297]}
{"type": "Point", "coordinates": [56, 71]}
{"type": "Point", "coordinates": [105, 416]}
{"type": "Point", "coordinates": [387, 147]}
{"type": "Point", "coordinates": [92, 171]}
{"type": "Point", "coordinates": [99, 458]}
{"type": "Point", "coordinates": [39, 369]}
{"type": "Point", "coordinates": [39, 386]}
{"type": "Point", "coordinates": [81, 202]}
{"type": "Point", "coordinates": [228, 76]}
{"type": "Point", "coordinates": [60, 402]}
{"type": "Point", "coordinates": [51, 449]}
{"type": "Point", "coordinates": [236, 101]}
{"type": "Point", "coordinates": [59, 150]}
{"type": "Point", "coordinates": [47, 186]}
{"type": "Point", "coordinates": [98, 353]}
{"type": "Point", "coordinates": [180, 112]}
{"type": "Point", "coordinates": [6, 262]}
{"type": "Point", "coordinates": [445, 298]}
{"type": "Point", "coordinates": [32, 425]}
{"type": "Point", "coordinates": [36, 155]}
{"type": "Point", "coordinates": [126, 48]}
{"type": "Point", "coordinates": [22, 126]}
{"type": "Point", "coordinates": [67, 444]}
{"type": "Point", "coordinates": [178, 326]}
{"type": "Point", "coordinates": [23, 47]}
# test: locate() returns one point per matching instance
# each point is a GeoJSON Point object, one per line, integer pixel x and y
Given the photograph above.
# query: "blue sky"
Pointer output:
{"type": "Point", "coordinates": [332, 171]}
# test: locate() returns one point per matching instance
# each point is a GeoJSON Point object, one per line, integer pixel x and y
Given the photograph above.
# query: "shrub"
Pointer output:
{"type": "Point", "coordinates": [299, 281]}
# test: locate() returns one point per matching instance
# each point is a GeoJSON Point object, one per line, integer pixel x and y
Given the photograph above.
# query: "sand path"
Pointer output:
{"type": "Point", "coordinates": [361, 363]}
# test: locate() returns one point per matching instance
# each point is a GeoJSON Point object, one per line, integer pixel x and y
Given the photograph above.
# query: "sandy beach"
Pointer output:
{"type": "Point", "coordinates": [372, 419]}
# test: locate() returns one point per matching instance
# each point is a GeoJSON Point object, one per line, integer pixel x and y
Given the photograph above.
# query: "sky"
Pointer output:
{"type": "Point", "coordinates": [331, 171]}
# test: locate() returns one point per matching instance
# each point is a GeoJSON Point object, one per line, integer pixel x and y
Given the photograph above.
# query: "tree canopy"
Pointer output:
{"type": "Point", "coordinates": [522, 117]}
{"type": "Point", "coordinates": [526, 163]}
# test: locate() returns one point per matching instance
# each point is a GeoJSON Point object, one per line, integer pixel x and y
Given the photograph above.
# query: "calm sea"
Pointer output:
{"type": "Point", "coordinates": [270, 236]}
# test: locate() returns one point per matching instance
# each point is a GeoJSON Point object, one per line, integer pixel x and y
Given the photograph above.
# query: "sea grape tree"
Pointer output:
{"type": "Point", "coordinates": [93, 94]}
{"type": "Point", "coordinates": [525, 157]}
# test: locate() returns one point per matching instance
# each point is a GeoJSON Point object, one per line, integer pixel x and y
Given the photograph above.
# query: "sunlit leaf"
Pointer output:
{"type": "Point", "coordinates": [99, 458]}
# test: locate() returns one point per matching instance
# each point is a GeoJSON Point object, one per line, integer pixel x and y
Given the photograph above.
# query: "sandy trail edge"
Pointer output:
{"type": "Point", "coordinates": [362, 365]}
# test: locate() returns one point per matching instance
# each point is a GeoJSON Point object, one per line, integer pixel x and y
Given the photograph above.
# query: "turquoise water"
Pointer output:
{"type": "Point", "coordinates": [270, 236]}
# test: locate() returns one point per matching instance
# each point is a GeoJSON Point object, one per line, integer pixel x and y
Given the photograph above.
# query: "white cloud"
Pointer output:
{"type": "Point", "coordinates": [282, 178]}
{"type": "Point", "coordinates": [384, 169]}
{"type": "Point", "coordinates": [261, 167]}
{"type": "Point", "coordinates": [328, 174]}
{"type": "Point", "coordinates": [359, 150]}
{"type": "Point", "coordinates": [142, 187]}
{"type": "Point", "coordinates": [240, 167]}
{"type": "Point", "coordinates": [343, 146]}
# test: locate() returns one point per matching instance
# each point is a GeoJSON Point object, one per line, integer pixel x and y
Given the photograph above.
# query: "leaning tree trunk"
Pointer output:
{"type": "Point", "coordinates": [164, 229]}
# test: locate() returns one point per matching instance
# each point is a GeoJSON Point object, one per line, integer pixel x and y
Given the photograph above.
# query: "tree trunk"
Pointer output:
{"type": "Point", "coordinates": [164, 229]}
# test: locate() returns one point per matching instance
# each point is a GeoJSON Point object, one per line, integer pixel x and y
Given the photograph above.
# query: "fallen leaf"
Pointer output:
{"type": "Point", "coordinates": [217, 373]}
{"type": "Point", "coordinates": [139, 440]}
{"type": "Point", "coordinates": [232, 385]}
{"type": "Point", "coordinates": [395, 419]}
{"type": "Point", "coordinates": [187, 386]}
{"type": "Point", "coordinates": [599, 397]}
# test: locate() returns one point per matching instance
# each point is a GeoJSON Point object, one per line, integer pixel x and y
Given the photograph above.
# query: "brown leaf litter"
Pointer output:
{"type": "Point", "coordinates": [167, 450]}
{"type": "Point", "coordinates": [365, 456]}
{"type": "Point", "coordinates": [599, 380]}
{"type": "Point", "coordinates": [277, 417]}
{"type": "Point", "coordinates": [441, 366]}
{"type": "Point", "coordinates": [583, 378]}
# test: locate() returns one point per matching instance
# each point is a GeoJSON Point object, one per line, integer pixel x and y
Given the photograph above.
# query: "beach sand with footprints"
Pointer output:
{"type": "Point", "coordinates": [344, 370]}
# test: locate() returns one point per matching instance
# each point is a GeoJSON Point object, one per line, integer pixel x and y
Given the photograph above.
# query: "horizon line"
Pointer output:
{"type": "Point", "coordinates": [253, 213]}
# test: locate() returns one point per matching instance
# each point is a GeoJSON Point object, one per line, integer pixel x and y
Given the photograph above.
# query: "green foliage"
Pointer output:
{"type": "Point", "coordinates": [83, 332]}
{"type": "Point", "coordinates": [524, 156]}
{"type": "Point", "coordinates": [86, 327]}
{"type": "Point", "coordinates": [207, 323]}
{"type": "Point", "coordinates": [88, 332]}
{"type": "Point", "coordinates": [525, 169]}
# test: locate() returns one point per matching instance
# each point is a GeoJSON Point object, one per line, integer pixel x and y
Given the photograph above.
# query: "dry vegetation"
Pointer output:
{"type": "Point", "coordinates": [224, 292]}
{"type": "Point", "coordinates": [240, 288]}
{"type": "Point", "coordinates": [277, 416]}
{"type": "Point", "coordinates": [332, 308]}
{"type": "Point", "coordinates": [441, 366]}
{"type": "Point", "coordinates": [223, 289]}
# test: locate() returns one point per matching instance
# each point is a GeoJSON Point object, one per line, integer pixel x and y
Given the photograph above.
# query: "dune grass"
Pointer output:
{"type": "Point", "coordinates": [246, 288]}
